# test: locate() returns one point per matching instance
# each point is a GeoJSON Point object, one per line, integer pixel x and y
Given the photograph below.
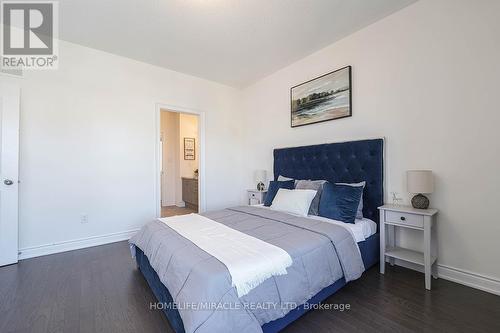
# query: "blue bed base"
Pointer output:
{"type": "Point", "coordinates": [369, 253]}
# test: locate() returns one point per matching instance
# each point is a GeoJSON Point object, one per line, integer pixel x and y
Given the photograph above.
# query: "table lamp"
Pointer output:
{"type": "Point", "coordinates": [260, 178]}
{"type": "Point", "coordinates": [420, 182]}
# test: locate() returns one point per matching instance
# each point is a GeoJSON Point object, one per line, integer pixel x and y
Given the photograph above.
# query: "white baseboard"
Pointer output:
{"type": "Point", "coordinates": [76, 244]}
{"type": "Point", "coordinates": [474, 280]}
{"type": "Point", "coordinates": [467, 278]}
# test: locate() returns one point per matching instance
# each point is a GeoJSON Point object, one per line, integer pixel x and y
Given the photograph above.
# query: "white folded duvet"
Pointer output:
{"type": "Point", "coordinates": [249, 260]}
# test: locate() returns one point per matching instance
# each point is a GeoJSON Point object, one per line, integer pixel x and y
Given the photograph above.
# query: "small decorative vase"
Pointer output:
{"type": "Point", "coordinates": [261, 186]}
{"type": "Point", "coordinates": [420, 201]}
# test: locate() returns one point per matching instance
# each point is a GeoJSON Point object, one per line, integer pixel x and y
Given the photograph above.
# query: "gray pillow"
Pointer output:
{"type": "Point", "coordinates": [359, 213]}
{"type": "Point", "coordinates": [286, 179]}
{"type": "Point", "coordinates": [316, 185]}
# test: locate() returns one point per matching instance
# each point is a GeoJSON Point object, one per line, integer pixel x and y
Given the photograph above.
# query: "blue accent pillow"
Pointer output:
{"type": "Point", "coordinates": [274, 186]}
{"type": "Point", "coordinates": [340, 202]}
{"type": "Point", "coordinates": [359, 214]}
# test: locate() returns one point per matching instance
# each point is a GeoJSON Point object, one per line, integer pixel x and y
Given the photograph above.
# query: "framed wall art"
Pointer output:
{"type": "Point", "coordinates": [324, 98]}
{"type": "Point", "coordinates": [189, 149]}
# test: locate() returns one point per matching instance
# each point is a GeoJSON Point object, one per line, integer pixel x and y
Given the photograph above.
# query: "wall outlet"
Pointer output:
{"type": "Point", "coordinates": [84, 218]}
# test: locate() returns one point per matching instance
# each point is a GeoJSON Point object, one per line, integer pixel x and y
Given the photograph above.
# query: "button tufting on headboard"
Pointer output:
{"type": "Point", "coordinates": [353, 161]}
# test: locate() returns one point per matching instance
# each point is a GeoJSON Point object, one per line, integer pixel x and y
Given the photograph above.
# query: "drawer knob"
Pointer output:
{"type": "Point", "coordinates": [403, 218]}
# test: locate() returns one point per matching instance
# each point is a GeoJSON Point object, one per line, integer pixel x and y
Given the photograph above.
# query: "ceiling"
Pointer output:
{"type": "Point", "coordinates": [234, 42]}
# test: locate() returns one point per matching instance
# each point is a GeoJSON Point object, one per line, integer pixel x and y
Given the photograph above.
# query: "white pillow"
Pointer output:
{"type": "Point", "coordinates": [293, 201]}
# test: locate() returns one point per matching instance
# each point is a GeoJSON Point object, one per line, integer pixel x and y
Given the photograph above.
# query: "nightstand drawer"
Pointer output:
{"type": "Point", "coordinates": [404, 218]}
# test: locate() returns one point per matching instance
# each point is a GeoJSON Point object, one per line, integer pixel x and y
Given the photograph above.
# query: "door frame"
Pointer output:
{"type": "Point", "coordinates": [201, 162]}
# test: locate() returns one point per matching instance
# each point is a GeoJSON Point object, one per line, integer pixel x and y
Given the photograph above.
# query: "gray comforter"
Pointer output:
{"type": "Point", "coordinates": [322, 253]}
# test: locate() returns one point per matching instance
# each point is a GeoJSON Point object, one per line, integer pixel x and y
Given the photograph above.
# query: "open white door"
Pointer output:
{"type": "Point", "coordinates": [9, 172]}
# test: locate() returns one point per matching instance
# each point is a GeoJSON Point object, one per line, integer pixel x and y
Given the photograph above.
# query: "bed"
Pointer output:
{"type": "Point", "coordinates": [351, 162]}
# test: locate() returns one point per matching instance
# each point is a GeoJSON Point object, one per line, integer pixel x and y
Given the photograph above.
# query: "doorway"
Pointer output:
{"type": "Point", "coordinates": [180, 151]}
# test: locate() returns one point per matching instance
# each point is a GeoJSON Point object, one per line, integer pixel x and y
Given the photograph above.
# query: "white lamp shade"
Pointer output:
{"type": "Point", "coordinates": [260, 176]}
{"type": "Point", "coordinates": [420, 181]}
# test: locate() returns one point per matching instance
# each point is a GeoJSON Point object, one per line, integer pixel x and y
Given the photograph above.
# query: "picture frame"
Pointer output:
{"type": "Point", "coordinates": [324, 98]}
{"type": "Point", "coordinates": [189, 148]}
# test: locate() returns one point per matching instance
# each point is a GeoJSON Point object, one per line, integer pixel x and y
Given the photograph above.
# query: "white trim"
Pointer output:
{"type": "Point", "coordinates": [4, 74]}
{"type": "Point", "coordinates": [474, 280]}
{"type": "Point", "coordinates": [76, 244]}
{"type": "Point", "coordinates": [383, 138]}
{"type": "Point", "coordinates": [201, 163]}
{"type": "Point", "coordinates": [461, 276]}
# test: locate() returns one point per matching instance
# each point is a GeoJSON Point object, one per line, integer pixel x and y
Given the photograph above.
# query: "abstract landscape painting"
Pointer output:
{"type": "Point", "coordinates": [324, 98]}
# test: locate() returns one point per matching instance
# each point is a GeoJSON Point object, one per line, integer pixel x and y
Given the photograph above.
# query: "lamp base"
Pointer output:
{"type": "Point", "coordinates": [420, 201]}
{"type": "Point", "coordinates": [261, 186]}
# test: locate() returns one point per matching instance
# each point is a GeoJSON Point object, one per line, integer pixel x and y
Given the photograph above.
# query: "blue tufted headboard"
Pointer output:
{"type": "Point", "coordinates": [348, 162]}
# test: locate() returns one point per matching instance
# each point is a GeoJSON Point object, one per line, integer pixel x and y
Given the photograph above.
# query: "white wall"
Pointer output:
{"type": "Point", "coordinates": [88, 144]}
{"type": "Point", "coordinates": [188, 126]}
{"type": "Point", "coordinates": [174, 128]}
{"type": "Point", "coordinates": [170, 157]}
{"type": "Point", "coordinates": [426, 78]}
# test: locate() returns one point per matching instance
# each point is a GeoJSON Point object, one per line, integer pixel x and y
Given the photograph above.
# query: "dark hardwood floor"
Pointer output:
{"type": "Point", "coordinates": [100, 290]}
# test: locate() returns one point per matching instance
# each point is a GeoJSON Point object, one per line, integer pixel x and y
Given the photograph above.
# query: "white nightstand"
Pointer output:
{"type": "Point", "coordinates": [391, 217]}
{"type": "Point", "coordinates": [256, 197]}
